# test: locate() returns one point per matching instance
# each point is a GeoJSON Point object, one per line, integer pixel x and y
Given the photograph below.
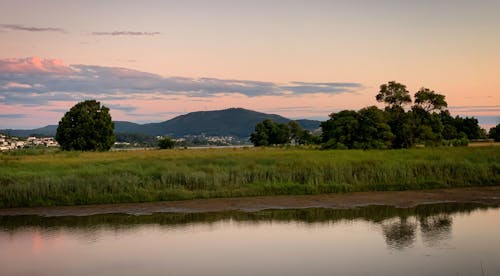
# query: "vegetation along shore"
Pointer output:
{"type": "Point", "coordinates": [78, 178]}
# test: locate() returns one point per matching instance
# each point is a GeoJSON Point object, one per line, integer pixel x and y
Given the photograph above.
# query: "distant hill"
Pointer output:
{"type": "Point", "coordinates": [237, 122]}
{"type": "Point", "coordinates": [49, 130]}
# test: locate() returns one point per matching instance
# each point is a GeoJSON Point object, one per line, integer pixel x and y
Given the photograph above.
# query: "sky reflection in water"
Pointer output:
{"type": "Point", "coordinates": [443, 239]}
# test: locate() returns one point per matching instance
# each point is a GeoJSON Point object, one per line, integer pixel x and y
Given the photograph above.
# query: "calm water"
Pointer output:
{"type": "Point", "coordinates": [445, 239]}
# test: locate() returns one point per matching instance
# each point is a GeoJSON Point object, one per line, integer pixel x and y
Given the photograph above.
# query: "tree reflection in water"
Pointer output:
{"type": "Point", "coordinates": [399, 226]}
{"type": "Point", "coordinates": [435, 229]}
{"type": "Point", "coordinates": [399, 234]}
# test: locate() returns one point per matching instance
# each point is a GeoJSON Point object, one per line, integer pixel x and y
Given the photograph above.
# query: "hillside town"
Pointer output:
{"type": "Point", "coordinates": [8, 143]}
{"type": "Point", "coordinates": [15, 143]}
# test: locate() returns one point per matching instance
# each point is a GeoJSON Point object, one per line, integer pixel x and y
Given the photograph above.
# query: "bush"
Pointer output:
{"type": "Point", "coordinates": [166, 143]}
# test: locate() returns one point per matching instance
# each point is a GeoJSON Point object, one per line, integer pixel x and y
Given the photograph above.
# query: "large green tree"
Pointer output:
{"type": "Point", "coordinates": [341, 130]}
{"type": "Point", "coordinates": [87, 126]}
{"type": "Point", "coordinates": [365, 129]}
{"type": "Point", "coordinates": [430, 100]}
{"type": "Point", "coordinates": [394, 94]}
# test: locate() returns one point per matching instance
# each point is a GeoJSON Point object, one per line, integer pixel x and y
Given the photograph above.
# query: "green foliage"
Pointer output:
{"type": "Point", "coordinates": [495, 133]}
{"type": "Point", "coordinates": [374, 131]}
{"type": "Point", "coordinates": [402, 126]}
{"type": "Point", "coordinates": [295, 131]}
{"type": "Point", "coordinates": [166, 143]}
{"type": "Point", "coordinates": [430, 100]}
{"type": "Point", "coordinates": [269, 133]}
{"type": "Point", "coordinates": [457, 142]}
{"type": "Point", "coordinates": [393, 94]}
{"type": "Point", "coordinates": [397, 128]}
{"type": "Point", "coordinates": [365, 129]}
{"type": "Point", "coordinates": [87, 127]}
{"type": "Point", "coordinates": [74, 178]}
{"type": "Point", "coordinates": [341, 128]}
{"type": "Point", "coordinates": [428, 126]}
{"type": "Point", "coordinates": [469, 126]}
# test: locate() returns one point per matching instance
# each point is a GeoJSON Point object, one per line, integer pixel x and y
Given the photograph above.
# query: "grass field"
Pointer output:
{"type": "Point", "coordinates": [75, 178]}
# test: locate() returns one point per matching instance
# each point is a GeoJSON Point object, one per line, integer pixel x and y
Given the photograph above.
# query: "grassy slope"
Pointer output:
{"type": "Point", "coordinates": [67, 178]}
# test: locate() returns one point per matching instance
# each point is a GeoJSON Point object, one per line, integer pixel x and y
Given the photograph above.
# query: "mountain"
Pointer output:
{"type": "Point", "coordinates": [49, 130]}
{"type": "Point", "coordinates": [237, 122]}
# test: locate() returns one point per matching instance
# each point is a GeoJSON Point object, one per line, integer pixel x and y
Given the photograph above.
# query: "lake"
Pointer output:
{"type": "Point", "coordinates": [434, 239]}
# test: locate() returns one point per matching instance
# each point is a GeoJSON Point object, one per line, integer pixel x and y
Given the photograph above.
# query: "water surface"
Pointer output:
{"type": "Point", "coordinates": [442, 239]}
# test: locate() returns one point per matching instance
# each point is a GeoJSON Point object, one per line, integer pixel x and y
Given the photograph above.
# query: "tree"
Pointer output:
{"type": "Point", "coordinates": [428, 127]}
{"type": "Point", "coordinates": [87, 127]}
{"type": "Point", "coordinates": [402, 126]}
{"type": "Point", "coordinates": [365, 129]}
{"type": "Point", "coordinates": [393, 94]}
{"type": "Point", "coordinates": [430, 100]}
{"type": "Point", "coordinates": [374, 132]}
{"type": "Point", "coordinates": [495, 133]}
{"type": "Point", "coordinates": [296, 132]}
{"type": "Point", "coordinates": [260, 136]}
{"type": "Point", "coordinates": [469, 126]}
{"type": "Point", "coordinates": [166, 143]}
{"type": "Point", "coordinates": [449, 131]}
{"type": "Point", "coordinates": [340, 130]}
{"type": "Point", "coordinates": [269, 133]}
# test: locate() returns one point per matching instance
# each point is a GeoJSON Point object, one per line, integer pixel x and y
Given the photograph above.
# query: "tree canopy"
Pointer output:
{"type": "Point", "coordinates": [427, 123]}
{"type": "Point", "coordinates": [495, 133]}
{"type": "Point", "coordinates": [394, 94]}
{"type": "Point", "coordinates": [268, 133]}
{"type": "Point", "coordinates": [365, 129]}
{"type": "Point", "coordinates": [430, 100]}
{"type": "Point", "coordinates": [87, 126]}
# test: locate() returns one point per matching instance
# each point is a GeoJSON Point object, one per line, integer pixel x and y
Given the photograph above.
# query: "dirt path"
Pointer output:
{"type": "Point", "coordinates": [486, 195]}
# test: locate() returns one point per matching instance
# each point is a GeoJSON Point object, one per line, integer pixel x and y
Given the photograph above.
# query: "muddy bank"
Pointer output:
{"type": "Point", "coordinates": [484, 195]}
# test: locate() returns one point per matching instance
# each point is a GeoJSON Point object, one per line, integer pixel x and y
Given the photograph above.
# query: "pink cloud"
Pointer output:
{"type": "Point", "coordinates": [33, 65]}
{"type": "Point", "coordinates": [16, 85]}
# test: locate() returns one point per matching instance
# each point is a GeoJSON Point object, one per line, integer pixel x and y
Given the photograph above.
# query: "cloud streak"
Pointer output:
{"type": "Point", "coordinates": [124, 33]}
{"type": "Point", "coordinates": [13, 116]}
{"type": "Point", "coordinates": [476, 108]}
{"type": "Point", "coordinates": [31, 81]}
{"type": "Point", "coordinates": [124, 108]}
{"type": "Point", "coordinates": [17, 27]}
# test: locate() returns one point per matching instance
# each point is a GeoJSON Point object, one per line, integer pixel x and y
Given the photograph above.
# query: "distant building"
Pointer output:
{"type": "Point", "coordinates": [14, 143]}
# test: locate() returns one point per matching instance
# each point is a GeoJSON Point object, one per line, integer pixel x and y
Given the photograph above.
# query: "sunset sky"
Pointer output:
{"type": "Point", "coordinates": [149, 61]}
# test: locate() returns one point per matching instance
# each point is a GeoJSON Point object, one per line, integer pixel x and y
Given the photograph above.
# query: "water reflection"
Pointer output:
{"type": "Point", "coordinates": [399, 226]}
{"type": "Point", "coordinates": [435, 228]}
{"type": "Point", "coordinates": [400, 233]}
{"type": "Point", "coordinates": [445, 239]}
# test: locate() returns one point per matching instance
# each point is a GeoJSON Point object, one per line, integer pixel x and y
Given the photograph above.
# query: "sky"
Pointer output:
{"type": "Point", "coordinates": [149, 61]}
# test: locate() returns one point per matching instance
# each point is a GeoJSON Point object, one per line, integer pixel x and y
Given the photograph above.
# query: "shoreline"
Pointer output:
{"type": "Point", "coordinates": [400, 199]}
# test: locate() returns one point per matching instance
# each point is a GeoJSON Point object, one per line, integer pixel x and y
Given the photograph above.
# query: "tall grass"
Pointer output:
{"type": "Point", "coordinates": [69, 178]}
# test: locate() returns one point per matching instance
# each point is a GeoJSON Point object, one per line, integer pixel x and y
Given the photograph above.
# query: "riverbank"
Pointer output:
{"type": "Point", "coordinates": [401, 199]}
{"type": "Point", "coordinates": [83, 178]}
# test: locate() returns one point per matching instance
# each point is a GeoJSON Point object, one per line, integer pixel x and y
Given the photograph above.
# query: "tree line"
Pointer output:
{"type": "Point", "coordinates": [399, 125]}
{"type": "Point", "coordinates": [269, 133]}
{"type": "Point", "coordinates": [88, 125]}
